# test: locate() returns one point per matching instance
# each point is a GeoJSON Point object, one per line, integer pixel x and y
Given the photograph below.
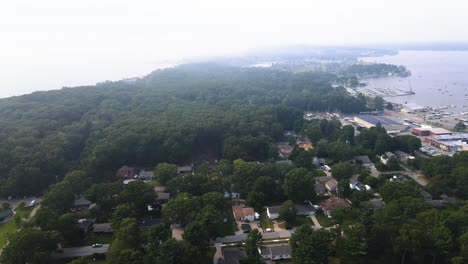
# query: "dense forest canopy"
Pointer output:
{"type": "Point", "coordinates": [175, 115]}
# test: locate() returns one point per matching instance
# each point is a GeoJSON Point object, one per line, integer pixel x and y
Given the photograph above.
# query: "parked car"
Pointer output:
{"type": "Point", "coordinates": [288, 227]}
{"type": "Point", "coordinates": [268, 230]}
{"type": "Point", "coordinates": [247, 221]}
{"type": "Point", "coordinates": [97, 245]}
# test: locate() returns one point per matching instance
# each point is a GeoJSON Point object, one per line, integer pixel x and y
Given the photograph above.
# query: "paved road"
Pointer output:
{"type": "Point", "coordinates": [15, 202]}
{"type": "Point", "coordinates": [75, 252]}
{"type": "Point", "coordinates": [218, 254]}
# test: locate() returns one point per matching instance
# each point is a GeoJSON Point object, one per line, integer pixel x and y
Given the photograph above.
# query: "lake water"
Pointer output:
{"type": "Point", "coordinates": [438, 78]}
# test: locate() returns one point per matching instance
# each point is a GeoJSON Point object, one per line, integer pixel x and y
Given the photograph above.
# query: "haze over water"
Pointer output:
{"type": "Point", "coordinates": [437, 77]}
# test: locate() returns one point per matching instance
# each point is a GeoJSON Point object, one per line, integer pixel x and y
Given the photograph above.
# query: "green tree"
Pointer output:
{"type": "Point", "coordinates": [123, 211]}
{"type": "Point", "coordinates": [309, 246]}
{"type": "Point", "coordinates": [256, 199]}
{"type": "Point", "coordinates": [127, 237]}
{"type": "Point", "coordinates": [267, 186]}
{"type": "Point", "coordinates": [343, 188]}
{"type": "Point", "coordinates": [164, 172]}
{"type": "Point", "coordinates": [354, 246]}
{"type": "Point", "coordinates": [299, 185]}
{"type": "Point", "coordinates": [342, 170]}
{"type": "Point", "coordinates": [197, 234]}
{"type": "Point", "coordinates": [178, 252]}
{"type": "Point", "coordinates": [459, 127]}
{"type": "Point", "coordinates": [78, 180]}
{"type": "Point", "coordinates": [5, 206]}
{"type": "Point", "coordinates": [30, 246]}
{"type": "Point", "coordinates": [347, 134]}
{"type": "Point", "coordinates": [288, 212]}
{"type": "Point", "coordinates": [181, 210]}
{"type": "Point", "coordinates": [252, 243]}
{"type": "Point", "coordinates": [409, 239]}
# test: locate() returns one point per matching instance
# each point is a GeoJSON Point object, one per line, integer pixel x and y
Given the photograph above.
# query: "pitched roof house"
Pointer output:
{"type": "Point", "coordinates": [333, 203]}
{"type": "Point", "coordinates": [243, 213]}
{"type": "Point", "coordinates": [276, 252]}
{"type": "Point", "coordinates": [331, 185]}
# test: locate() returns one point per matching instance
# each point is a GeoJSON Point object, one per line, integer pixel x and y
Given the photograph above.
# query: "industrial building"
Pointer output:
{"type": "Point", "coordinates": [372, 121]}
{"type": "Point", "coordinates": [426, 131]}
{"type": "Point", "coordinates": [412, 108]}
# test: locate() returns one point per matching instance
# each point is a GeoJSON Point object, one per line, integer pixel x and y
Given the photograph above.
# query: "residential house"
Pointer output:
{"type": "Point", "coordinates": [284, 148]}
{"type": "Point", "coordinates": [331, 185]}
{"type": "Point", "coordinates": [356, 185]}
{"type": "Point", "coordinates": [146, 175]}
{"type": "Point", "coordinates": [333, 203]}
{"type": "Point", "coordinates": [81, 203]}
{"type": "Point", "coordinates": [163, 197]}
{"type": "Point", "coordinates": [318, 162]}
{"type": "Point", "coordinates": [320, 188]}
{"type": "Point", "coordinates": [276, 252]}
{"type": "Point", "coordinates": [126, 173]}
{"type": "Point", "coordinates": [243, 213]}
{"type": "Point", "coordinates": [273, 212]}
{"type": "Point", "coordinates": [386, 157]}
{"type": "Point", "coordinates": [232, 255]}
{"type": "Point", "coordinates": [102, 228]}
{"type": "Point", "coordinates": [158, 189]}
{"type": "Point", "coordinates": [184, 169]}
{"type": "Point", "coordinates": [363, 161]}
{"type": "Point", "coordinates": [304, 209]}
{"type": "Point", "coordinates": [231, 195]}
{"type": "Point", "coordinates": [403, 156]}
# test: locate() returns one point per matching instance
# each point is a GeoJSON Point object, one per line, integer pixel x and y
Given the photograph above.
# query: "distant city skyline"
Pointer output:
{"type": "Point", "coordinates": [49, 44]}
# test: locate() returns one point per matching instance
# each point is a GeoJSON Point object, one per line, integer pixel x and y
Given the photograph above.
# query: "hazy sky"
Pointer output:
{"type": "Point", "coordinates": [48, 44]}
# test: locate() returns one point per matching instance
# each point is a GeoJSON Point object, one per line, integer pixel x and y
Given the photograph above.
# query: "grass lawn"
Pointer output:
{"type": "Point", "coordinates": [265, 221]}
{"type": "Point", "coordinates": [319, 172]}
{"type": "Point", "coordinates": [302, 220]}
{"type": "Point", "coordinates": [6, 228]}
{"type": "Point", "coordinates": [323, 220]}
{"type": "Point", "coordinates": [24, 212]}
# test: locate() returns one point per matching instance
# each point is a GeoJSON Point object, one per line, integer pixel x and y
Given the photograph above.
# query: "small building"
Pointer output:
{"type": "Point", "coordinates": [81, 203]}
{"type": "Point", "coordinates": [403, 156]}
{"type": "Point", "coordinates": [276, 252]}
{"type": "Point", "coordinates": [331, 185]}
{"type": "Point", "coordinates": [158, 189]}
{"type": "Point", "coordinates": [273, 212]}
{"type": "Point", "coordinates": [184, 169]}
{"type": "Point", "coordinates": [386, 157]}
{"type": "Point", "coordinates": [231, 195]}
{"type": "Point", "coordinates": [304, 210]}
{"type": "Point", "coordinates": [333, 203]}
{"type": "Point", "coordinates": [284, 148]}
{"type": "Point", "coordinates": [233, 255]}
{"type": "Point", "coordinates": [319, 162]}
{"type": "Point", "coordinates": [102, 228]}
{"type": "Point", "coordinates": [146, 175]}
{"type": "Point", "coordinates": [163, 197]}
{"type": "Point", "coordinates": [126, 172]}
{"type": "Point", "coordinates": [320, 188]}
{"type": "Point", "coordinates": [356, 185]}
{"type": "Point", "coordinates": [243, 213]}
{"type": "Point", "coordinates": [363, 161]}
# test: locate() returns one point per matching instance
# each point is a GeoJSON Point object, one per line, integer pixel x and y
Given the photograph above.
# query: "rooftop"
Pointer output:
{"type": "Point", "coordinates": [334, 202]}
{"type": "Point", "coordinates": [373, 119]}
{"type": "Point", "coordinates": [102, 228]}
{"type": "Point", "coordinates": [277, 250]}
